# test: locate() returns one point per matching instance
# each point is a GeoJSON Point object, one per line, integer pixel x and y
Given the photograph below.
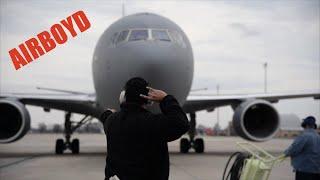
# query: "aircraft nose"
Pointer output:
{"type": "Point", "coordinates": [163, 65]}
{"type": "Point", "coordinates": [153, 56]}
{"type": "Point", "coordinates": [156, 53]}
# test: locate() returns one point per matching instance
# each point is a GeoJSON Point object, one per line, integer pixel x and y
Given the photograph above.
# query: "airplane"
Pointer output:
{"type": "Point", "coordinates": [155, 48]}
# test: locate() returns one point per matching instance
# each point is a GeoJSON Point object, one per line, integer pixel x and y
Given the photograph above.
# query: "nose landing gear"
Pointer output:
{"type": "Point", "coordinates": [196, 143]}
{"type": "Point", "coordinates": [69, 128]}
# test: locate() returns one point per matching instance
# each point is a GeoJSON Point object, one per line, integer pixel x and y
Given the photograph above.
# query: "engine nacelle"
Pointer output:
{"type": "Point", "coordinates": [14, 120]}
{"type": "Point", "coordinates": [256, 120]}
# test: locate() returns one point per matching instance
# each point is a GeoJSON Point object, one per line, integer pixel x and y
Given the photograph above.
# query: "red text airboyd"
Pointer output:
{"type": "Point", "coordinates": [48, 40]}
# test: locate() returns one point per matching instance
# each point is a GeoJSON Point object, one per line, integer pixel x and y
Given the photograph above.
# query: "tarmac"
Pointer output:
{"type": "Point", "coordinates": [33, 158]}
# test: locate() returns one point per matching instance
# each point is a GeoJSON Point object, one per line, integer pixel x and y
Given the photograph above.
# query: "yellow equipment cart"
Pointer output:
{"type": "Point", "coordinates": [259, 165]}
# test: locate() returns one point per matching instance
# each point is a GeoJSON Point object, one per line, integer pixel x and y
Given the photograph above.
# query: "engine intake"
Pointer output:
{"type": "Point", "coordinates": [256, 120]}
{"type": "Point", "coordinates": [14, 120]}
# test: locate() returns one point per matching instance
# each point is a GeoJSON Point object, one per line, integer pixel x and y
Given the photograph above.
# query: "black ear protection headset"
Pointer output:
{"type": "Point", "coordinates": [135, 86]}
{"type": "Point", "coordinates": [306, 122]}
{"type": "Point", "coordinates": [122, 98]}
{"type": "Point", "coordinates": [303, 124]}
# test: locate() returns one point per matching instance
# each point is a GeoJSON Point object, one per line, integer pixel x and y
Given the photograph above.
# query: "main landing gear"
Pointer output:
{"type": "Point", "coordinates": [69, 128]}
{"type": "Point", "coordinates": [196, 143]}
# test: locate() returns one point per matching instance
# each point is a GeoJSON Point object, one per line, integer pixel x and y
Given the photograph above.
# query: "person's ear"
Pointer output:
{"type": "Point", "coordinates": [122, 97]}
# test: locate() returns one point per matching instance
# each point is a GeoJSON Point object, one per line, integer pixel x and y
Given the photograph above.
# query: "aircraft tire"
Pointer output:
{"type": "Point", "coordinates": [59, 146]}
{"type": "Point", "coordinates": [199, 145]}
{"type": "Point", "coordinates": [184, 145]}
{"type": "Point", "coordinates": [75, 146]}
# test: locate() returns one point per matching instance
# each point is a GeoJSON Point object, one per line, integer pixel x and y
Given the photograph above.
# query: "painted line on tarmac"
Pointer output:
{"type": "Point", "coordinates": [18, 162]}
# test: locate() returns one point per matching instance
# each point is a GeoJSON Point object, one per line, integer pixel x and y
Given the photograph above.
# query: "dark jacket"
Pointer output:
{"type": "Point", "coordinates": [137, 140]}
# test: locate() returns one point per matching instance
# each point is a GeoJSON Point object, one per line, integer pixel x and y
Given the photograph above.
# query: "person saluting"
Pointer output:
{"type": "Point", "coordinates": [137, 138]}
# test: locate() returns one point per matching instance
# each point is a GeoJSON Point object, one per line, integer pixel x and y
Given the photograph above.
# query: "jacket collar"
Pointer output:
{"type": "Point", "coordinates": [131, 107]}
{"type": "Point", "coordinates": [309, 130]}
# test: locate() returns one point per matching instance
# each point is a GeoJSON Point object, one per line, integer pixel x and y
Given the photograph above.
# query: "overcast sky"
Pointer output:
{"type": "Point", "coordinates": [231, 40]}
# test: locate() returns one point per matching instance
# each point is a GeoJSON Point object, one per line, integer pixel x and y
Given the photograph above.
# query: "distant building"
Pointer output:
{"type": "Point", "coordinates": [290, 125]}
{"type": "Point", "coordinates": [42, 128]}
{"type": "Point", "coordinates": [217, 129]}
{"type": "Point", "coordinates": [204, 130]}
{"type": "Point", "coordinates": [201, 129]}
{"type": "Point", "coordinates": [57, 128]}
{"type": "Point", "coordinates": [92, 127]}
{"type": "Point", "coordinates": [230, 130]}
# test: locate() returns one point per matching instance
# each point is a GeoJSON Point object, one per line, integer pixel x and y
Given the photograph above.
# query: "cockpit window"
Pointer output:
{"type": "Point", "coordinates": [123, 36]}
{"type": "Point", "coordinates": [137, 35]}
{"type": "Point", "coordinates": [161, 35]}
{"type": "Point", "coordinates": [114, 38]}
{"type": "Point", "coordinates": [177, 38]}
{"type": "Point", "coordinates": [148, 34]}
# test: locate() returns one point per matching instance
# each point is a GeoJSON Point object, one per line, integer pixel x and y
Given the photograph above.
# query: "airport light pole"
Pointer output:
{"type": "Point", "coordinates": [123, 9]}
{"type": "Point", "coordinates": [0, 77]}
{"type": "Point", "coordinates": [265, 65]}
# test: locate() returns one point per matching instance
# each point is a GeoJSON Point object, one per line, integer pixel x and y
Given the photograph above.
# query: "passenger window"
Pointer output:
{"type": "Point", "coordinates": [123, 36]}
{"type": "Point", "coordinates": [161, 35]}
{"type": "Point", "coordinates": [137, 35]}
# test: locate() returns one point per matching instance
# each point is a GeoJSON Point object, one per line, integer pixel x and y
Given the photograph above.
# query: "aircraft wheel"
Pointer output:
{"type": "Point", "coordinates": [59, 146]}
{"type": "Point", "coordinates": [184, 145]}
{"type": "Point", "coordinates": [75, 146]}
{"type": "Point", "coordinates": [199, 145]}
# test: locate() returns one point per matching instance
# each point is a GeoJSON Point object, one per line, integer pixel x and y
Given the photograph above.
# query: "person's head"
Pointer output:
{"type": "Point", "coordinates": [309, 123]}
{"type": "Point", "coordinates": [132, 90]}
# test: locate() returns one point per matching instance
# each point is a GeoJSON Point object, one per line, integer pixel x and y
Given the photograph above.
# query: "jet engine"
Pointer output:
{"type": "Point", "coordinates": [256, 120]}
{"type": "Point", "coordinates": [14, 120]}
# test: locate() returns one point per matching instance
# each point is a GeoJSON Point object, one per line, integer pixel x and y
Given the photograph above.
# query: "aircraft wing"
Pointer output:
{"type": "Point", "coordinates": [81, 104]}
{"type": "Point", "coordinates": [84, 104]}
{"type": "Point", "coordinates": [206, 102]}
